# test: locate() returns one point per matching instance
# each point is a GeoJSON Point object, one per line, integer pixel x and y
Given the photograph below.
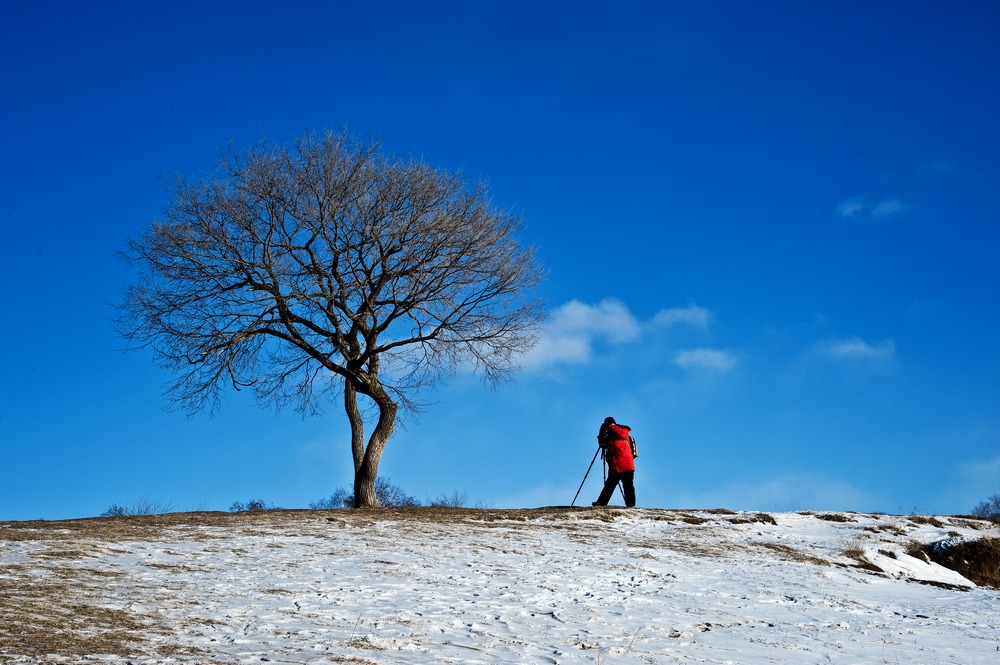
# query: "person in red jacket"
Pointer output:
{"type": "Point", "coordinates": [614, 440]}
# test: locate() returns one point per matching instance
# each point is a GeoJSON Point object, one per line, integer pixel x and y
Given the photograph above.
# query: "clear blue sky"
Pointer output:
{"type": "Point", "coordinates": [772, 231]}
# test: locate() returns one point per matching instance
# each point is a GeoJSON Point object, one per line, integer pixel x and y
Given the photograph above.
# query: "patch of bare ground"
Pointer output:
{"type": "Point", "coordinates": [888, 528]}
{"type": "Point", "coordinates": [834, 517]}
{"type": "Point", "coordinates": [923, 519]}
{"type": "Point", "coordinates": [971, 523]}
{"type": "Point", "coordinates": [790, 553]}
{"type": "Point", "coordinates": [43, 617]}
{"type": "Point", "coordinates": [757, 518]}
{"type": "Point", "coordinates": [696, 548]}
{"type": "Point", "coordinates": [856, 553]}
{"type": "Point", "coordinates": [53, 610]}
{"type": "Point", "coordinates": [199, 525]}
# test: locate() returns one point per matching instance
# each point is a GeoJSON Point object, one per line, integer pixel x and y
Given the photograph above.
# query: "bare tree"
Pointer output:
{"type": "Point", "coordinates": [989, 509]}
{"type": "Point", "coordinates": [329, 269]}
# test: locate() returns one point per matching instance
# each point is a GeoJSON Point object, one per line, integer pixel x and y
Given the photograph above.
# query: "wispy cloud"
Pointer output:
{"type": "Point", "coordinates": [851, 208]}
{"type": "Point", "coordinates": [852, 356]}
{"type": "Point", "coordinates": [711, 359]}
{"type": "Point", "coordinates": [854, 349]}
{"type": "Point", "coordinates": [863, 208]}
{"type": "Point", "coordinates": [692, 315]}
{"type": "Point", "coordinates": [574, 329]}
{"type": "Point", "coordinates": [987, 468]}
{"type": "Point", "coordinates": [888, 208]}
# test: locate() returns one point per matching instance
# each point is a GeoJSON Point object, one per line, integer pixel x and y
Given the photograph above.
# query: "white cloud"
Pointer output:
{"type": "Point", "coordinates": [851, 208]}
{"type": "Point", "coordinates": [572, 329]}
{"type": "Point", "coordinates": [713, 359]}
{"type": "Point", "coordinates": [692, 315]}
{"type": "Point", "coordinates": [851, 356]}
{"type": "Point", "coordinates": [610, 318]}
{"type": "Point", "coordinates": [855, 349]}
{"type": "Point", "coordinates": [889, 208]}
{"type": "Point", "coordinates": [861, 208]}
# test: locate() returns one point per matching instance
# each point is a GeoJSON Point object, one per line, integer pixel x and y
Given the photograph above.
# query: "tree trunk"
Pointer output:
{"type": "Point", "coordinates": [357, 424]}
{"type": "Point", "coordinates": [366, 459]}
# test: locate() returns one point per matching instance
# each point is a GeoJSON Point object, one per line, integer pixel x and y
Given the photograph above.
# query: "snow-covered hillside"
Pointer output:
{"type": "Point", "coordinates": [551, 585]}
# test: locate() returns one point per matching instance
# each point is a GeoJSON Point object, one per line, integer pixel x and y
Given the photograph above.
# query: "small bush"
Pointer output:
{"type": "Point", "coordinates": [114, 510]}
{"type": "Point", "coordinates": [762, 518]}
{"type": "Point", "coordinates": [143, 506]}
{"type": "Point", "coordinates": [918, 550]}
{"type": "Point", "coordinates": [835, 517]}
{"type": "Point", "coordinates": [251, 506]}
{"type": "Point", "coordinates": [693, 519]}
{"type": "Point", "coordinates": [989, 509]}
{"type": "Point", "coordinates": [339, 499]}
{"type": "Point", "coordinates": [388, 496]}
{"type": "Point", "coordinates": [456, 500]}
{"type": "Point", "coordinates": [932, 521]}
{"type": "Point", "coordinates": [856, 551]}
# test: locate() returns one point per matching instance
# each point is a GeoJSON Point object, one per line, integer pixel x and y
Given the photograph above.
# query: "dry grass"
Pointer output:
{"type": "Point", "coordinates": [761, 518]}
{"type": "Point", "coordinates": [918, 550]}
{"type": "Point", "coordinates": [887, 528]}
{"type": "Point", "coordinates": [791, 554]}
{"type": "Point", "coordinates": [932, 521]}
{"type": "Point", "coordinates": [976, 560]}
{"type": "Point", "coordinates": [55, 617]}
{"type": "Point", "coordinates": [972, 523]}
{"type": "Point", "coordinates": [856, 551]}
{"type": "Point", "coordinates": [834, 517]}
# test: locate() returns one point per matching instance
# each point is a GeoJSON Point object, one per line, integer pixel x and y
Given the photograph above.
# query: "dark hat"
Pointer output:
{"type": "Point", "coordinates": [609, 420]}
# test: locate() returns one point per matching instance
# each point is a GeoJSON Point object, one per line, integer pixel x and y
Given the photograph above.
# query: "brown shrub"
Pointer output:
{"type": "Point", "coordinates": [976, 560]}
{"type": "Point", "coordinates": [933, 521]}
{"type": "Point", "coordinates": [763, 518]}
{"type": "Point", "coordinates": [918, 550]}
{"type": "Point", "coordinates": [855, 550]}
{"type": "Point", "coordinates": [835, 517]}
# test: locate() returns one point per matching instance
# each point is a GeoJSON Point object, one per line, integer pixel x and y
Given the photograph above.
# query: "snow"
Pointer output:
{"type": "Point", "coordinates": [494, 586]}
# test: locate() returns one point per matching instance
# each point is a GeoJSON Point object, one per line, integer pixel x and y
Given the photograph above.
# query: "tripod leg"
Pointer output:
{"type": "Point", "coordinates": [585, 477]}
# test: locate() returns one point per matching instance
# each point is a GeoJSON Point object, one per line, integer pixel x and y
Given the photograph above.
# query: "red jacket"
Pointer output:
{"type": "Point", "coordinates": [618, 452]}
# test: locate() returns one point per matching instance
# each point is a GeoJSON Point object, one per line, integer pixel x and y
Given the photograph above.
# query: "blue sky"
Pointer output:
{"type": "Point", "coordinates": [771, 230]}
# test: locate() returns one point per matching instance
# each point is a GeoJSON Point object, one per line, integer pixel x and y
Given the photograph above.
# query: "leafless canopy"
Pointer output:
{"type": "Point", "coordinates": [328, 266]}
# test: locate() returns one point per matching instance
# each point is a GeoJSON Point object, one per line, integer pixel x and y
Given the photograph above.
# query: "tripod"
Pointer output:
{"type": "Point", "coordinates": [585, 476]}
{"type": "Point", "coordinates": [585, 480]}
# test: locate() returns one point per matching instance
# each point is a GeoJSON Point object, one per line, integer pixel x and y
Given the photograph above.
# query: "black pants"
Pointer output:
{"type": "Point", "coordinates": [625, 478]}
